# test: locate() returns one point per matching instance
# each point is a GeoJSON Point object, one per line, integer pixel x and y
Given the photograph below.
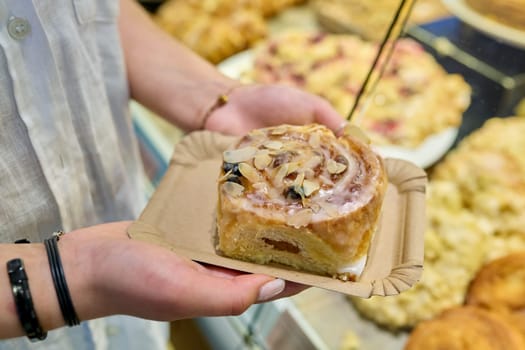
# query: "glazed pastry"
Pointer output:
{"type": "Point", "coordinates": [332, 66]}
{"type": "Point", "coordinates": [466, 328]}
{"type": "Point", "coordinates": [299, 196]}
{"type": "Point", "coordinates": [500, 286]}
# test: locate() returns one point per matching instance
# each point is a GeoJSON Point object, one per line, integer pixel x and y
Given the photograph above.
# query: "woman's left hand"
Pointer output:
{"type": "Point", "coordinates": [255, 106]}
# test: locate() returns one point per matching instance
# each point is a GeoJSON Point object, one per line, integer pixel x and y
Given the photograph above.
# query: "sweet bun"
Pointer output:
{"type": "Point", "coordinates": [300, 196]}
{"type": "Point", "coordinates": [500, 286]}
{"type": "Point", "coordinates": [466, 328]}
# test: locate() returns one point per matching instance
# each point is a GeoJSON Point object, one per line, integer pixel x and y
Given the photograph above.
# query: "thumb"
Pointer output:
{"type": "Point", "coordinates": [325, 114]}
{"type": "Point", "coordinates": [232, 296]}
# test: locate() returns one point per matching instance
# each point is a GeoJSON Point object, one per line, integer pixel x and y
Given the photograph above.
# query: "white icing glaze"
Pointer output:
{"type": "Point", "coordinates": [305, 151]}
{"type": "Point", "coordinates": [355, 268]}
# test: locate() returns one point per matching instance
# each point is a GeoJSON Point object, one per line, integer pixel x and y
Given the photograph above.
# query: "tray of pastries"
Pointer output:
{"type": "Point", "coordinates": [416, 107]}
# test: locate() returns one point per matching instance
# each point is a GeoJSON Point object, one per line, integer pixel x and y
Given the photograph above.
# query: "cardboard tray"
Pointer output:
{"type": "Point", "coordinates": [181, 217]}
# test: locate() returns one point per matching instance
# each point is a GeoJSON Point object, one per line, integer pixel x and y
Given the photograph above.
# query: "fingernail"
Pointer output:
{"type": "Point", "coordinates": [341, 128]}
{"type": "Point", "coordinates": [271, 289]}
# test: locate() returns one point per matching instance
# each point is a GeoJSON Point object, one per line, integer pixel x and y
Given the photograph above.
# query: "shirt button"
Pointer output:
{"type": "Point", "coordinates": [18, 28]}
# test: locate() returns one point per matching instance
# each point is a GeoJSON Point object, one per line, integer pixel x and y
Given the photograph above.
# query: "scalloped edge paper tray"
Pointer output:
{"type": "Point", "coordinates": [181, 216]}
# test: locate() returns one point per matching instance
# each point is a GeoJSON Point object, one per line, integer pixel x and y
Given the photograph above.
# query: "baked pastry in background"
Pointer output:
{"type": "Point", "coordinates": [475, 211]}
{"type": "Point", "coordinates": [213, 29]}
{"type": "Point", "coordinates": [273, 7]}
{"type": "Point", "coordinates": [300, 196]}
{"type": "Point", "coordinates": [217, 29]}
{"type": "Point", "coordinates": [414, 99]}
{"type": "Point", "coordinates": [455, 246]}
{"type": "Point", "coordinates": [500, 286]}
{"type": "Point", "coordinates": [508, 12]}
{"type": "Point", "coordinates": [466, 328]}
{"type": "Point", "coordinates": [488, 168]}
{"type": "Point", "coordinates": [371, 19]}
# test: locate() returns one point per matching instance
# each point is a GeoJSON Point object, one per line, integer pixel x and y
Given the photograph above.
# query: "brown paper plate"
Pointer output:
{"type": "Point", "coordinates": [181, 216]}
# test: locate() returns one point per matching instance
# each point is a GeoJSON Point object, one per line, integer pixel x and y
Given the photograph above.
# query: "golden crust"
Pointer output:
{"type": "Point", "coordinates": [217, 29]}
{"type": "Point", "coordinates": [213, 29]}
{"type": "Point", "coordinates": [303, 198]}
{"type": "Point", "coordinates": [466, 328]}
{"type": "Point", "coordinates": [500, 286]}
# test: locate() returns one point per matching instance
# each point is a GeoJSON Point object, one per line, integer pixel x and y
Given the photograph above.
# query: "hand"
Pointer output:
{"type": "Point", "coordinates": [256, 106]}
{"type": "Point", "coordinates": [145, 280]}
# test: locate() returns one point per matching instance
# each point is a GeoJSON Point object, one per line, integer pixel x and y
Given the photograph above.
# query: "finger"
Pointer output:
{"type": "Point", "coordinates": [325, 114]}
{"type": "Point", "coordinates": [290, 289]}
{"type": "Point", "coordinates": [217, 296]}
{"type": "Point", "coordinates": [222, 272]}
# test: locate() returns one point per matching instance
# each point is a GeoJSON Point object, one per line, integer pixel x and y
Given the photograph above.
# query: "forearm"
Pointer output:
{"type": "Point", "coordinates": [108, 273]}
{"type": "Point", "coordinates": [164, 75]}
{"type": "Point", "coordinates": [77, 263]}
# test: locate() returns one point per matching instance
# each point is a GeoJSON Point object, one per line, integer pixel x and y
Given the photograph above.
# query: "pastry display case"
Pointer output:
{"type": "Point", "coordinates": [475, 162]}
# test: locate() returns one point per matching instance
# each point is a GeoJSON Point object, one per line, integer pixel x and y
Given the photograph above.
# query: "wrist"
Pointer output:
{"type": "Point", "coordinates": [90, 253]}
{"type": "Point", "coordinates": [220, 100]}
{"type": "Point", "coordinates": [79, 270]}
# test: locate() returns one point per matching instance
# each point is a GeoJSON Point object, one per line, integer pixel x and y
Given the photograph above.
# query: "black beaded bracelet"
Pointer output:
{"type": "Point", "coordinates": [59, 280]}
{"type": "Point", "coordinates": [23, 300]}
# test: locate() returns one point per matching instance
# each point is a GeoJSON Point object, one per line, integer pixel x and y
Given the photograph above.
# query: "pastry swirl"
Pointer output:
{"type": "Point", "coordinates": [299, 196]}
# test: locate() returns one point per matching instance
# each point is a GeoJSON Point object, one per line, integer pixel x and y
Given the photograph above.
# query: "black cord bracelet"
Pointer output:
{"type": "Point", "coordinates": [23, 300]}
{"type": "Point", "coordinates": [59, 280]}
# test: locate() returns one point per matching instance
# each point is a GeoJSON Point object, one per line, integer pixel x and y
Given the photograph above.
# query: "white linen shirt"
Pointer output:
{"type": "Point", "coordinates": [69, 157]}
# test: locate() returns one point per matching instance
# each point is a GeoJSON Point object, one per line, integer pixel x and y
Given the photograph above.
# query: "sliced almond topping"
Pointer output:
{"type": "Point", "coordinates": [239, 155]}
{"type": "Point", "coordinates": [326, 180]}
{"type": "Point", "coordinates": [355, 132]}
{"type": "Point", "coordinates": [293, 166]}
{"type": "Point", "coordinates": [309, 187]}
{"type": "Point", "coordinates": [281, 173]}
{"type": "Point", "coordinates": [262, 159]}
{"type": "Point", "coordinates": [335, 167]}
{"type": "Point", "coordinates": [300, 219]}
{"type": "Point", "coordinates": [249, 172]}
{"type": "Point", "coordinates": [299, 179]}
{"type": "Point", "coordinates": [225, 176]}
{"type": "Point", "coordinates": [309, 173]}
{"type": "Point", "coordinates": [280, 130]}
{"type": "Point", "coordinates": [233, 189]}
{"type": "Point", "coordinates": [261, 186]}
{"type": "Point", "coordinates": [275, 145]}
{"type": "Point", "coordinates": [330, 209]}
{"type": "Point", "coordinates": [313, 162]}
{"type": "Point", "coordinates": [315, 140]}
{"type": "Point", "coordinates": [315, 207]}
